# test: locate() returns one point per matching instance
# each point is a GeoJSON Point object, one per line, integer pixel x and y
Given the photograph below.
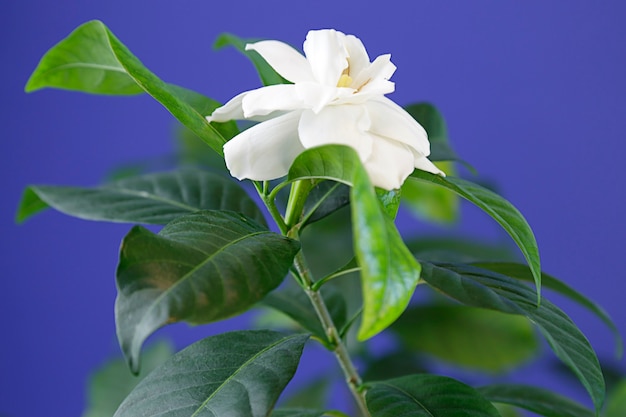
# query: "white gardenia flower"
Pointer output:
{"type": "Point", "coordinates": [337, 97]}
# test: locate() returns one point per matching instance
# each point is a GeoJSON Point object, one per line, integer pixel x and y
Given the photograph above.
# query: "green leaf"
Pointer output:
{"type": "Point", "coordinates": [200, 268]}
{"type": "Point", "coordinates": [293, 302]}
{"type": "Point", "coordinates": [433, 122]}
{"type": "Point", "coordinates": [297, 412]}
{"type": "Point", "coordinates": [458, 249]}
{"type": "Point", "coordinates": [483, 288]}
{"type": "Point", "coordinates": [616, 405]}
{"type": "Point", "coordinates": [432, 203]}
{"type": "Point", "coordinates": [522, 272]}
{"type": "Point", "coordinates": [151, 199]}
{"type": "Point", "coordinates": [110, 384]}
{"type": "Point", "coordinates": [238, 374]}
{"type": "Point", "coordinates": [266, 72]}
{"type": "Point", "coordinates": [389, 272]}
{"type": "Point", "coordinates": [537, 400]}
{"type": "Point", "coordinates": [426, 395]}
{"type": "Point", "coordinates": [91, 59]}
{"type": "Point", "coordinates": [324, 199]}
{"type": "Point", "coordinates": [501, 210]}
{"type": "Point", "coordinates": [483, 339]}
{"type": "Point", "coordinates": [394, 364]}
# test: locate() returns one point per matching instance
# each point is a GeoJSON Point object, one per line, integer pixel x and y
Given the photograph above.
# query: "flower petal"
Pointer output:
{"type": "Point", "coordinates": [316, 96]}
{"type": "Point", "coordinates": [327, 55]}
{"type": "Point", "coordinates": [264, 151]}
{"type": "Point", "coordinates": [423, 163]}
{"type": "Point", "coordinates": [389, 164]}
{"type": "Point", "coordinates": [229, 111]}
{"type": "Point", "coordinates": [358, 59]}
{"type": "Point", "coordinates": [265, 100]}
{"type": "Point", "coordinates": [338, 125]}
{"type": "Point", "coordinates": [375, 78]}
{"type": "Point", "coordinates": [285, 60]}
{"type": "Point", "coordinates": [392, 121]}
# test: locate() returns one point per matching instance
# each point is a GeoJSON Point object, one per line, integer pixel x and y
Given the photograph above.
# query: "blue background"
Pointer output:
{"type": "Point", "coordinates": [534, 94]}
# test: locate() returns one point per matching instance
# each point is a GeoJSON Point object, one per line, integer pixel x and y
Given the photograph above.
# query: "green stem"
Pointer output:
{"type": "Point", "coordinates": [353, 378]}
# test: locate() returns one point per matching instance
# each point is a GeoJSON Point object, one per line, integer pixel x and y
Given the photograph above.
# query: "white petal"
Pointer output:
{"type": "Point", "coordinates": [316, 96]}
{"type": "Point", "coordinates": [285, 60]}
{"type": "Point", "coordinates": [339, 125]}
{"type": "Point", "coordinates": [375, 76]}
{"type": "Point", "coordinates": [392, 121]}
{"type": "Point", "coordinates": [357, 55]}
{"type": "Point", "coordinates": [229, 111]}
{"type": "Point", "coordinates": [326, 54]}
{"type": "Point", "coordinates": [265, 100]}
{"type": "Point", "coordinates": [264, 151]}
{"type": "Point", "coordinates": [390, 164]}
{"type": "Point", "coordinates": [425, 164]}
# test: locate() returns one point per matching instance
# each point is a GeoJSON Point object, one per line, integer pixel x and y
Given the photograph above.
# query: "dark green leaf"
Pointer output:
{"type": "Point", "coordinates": [425, 395]}
{"type": "Point", "coordinates": [431, 119]}
{"type": "Point", "coordinates": [324, 199]}
{"type": "Point", "coordinates": [293, 302]}
{"type": "Point", "coordinates": [522, 272]}
{"type": "Point", "coordinates": [487, 289]}
{"type": "Point", "coordinates": [266, 72]}
{"type": "Point", "coordinates": [297, 412]}
{"type": "Point", "coordinates": [235, 374]}
{"type": "Point", "coordinates": [458, 249]}
{"type": "Point", "coordinates": [483, 339]}
{"type": "Point", "coordinates": [91, 59]}
{"type": "Point", "coordinates": [200, 268]}
{"type": "Point", "coordinates": [310, 396]}
{"type": "Point", "coordinates": [109, 385]}
{"type": "Point", "coordinates": [394, 364]}
{"type": "Point", "coordinates": [389, 272]}
{"type": "Point", "coordinates": [152, 198]}
{"type": "Point", "coordinates": [537, 400]}
{"type": "Point", "coordinates": [501, 210]}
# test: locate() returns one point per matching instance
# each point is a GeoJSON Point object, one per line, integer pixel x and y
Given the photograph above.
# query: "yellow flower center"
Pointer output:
{"type": "Point", "coordinates": [344, 81]}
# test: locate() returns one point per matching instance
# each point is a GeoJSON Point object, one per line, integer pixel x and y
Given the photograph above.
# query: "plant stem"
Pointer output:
{"type": "Point", "coordinates": [339, 348]}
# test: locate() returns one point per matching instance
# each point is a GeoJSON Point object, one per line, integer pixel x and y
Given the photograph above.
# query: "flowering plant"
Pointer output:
{"type": "Point", "coordinates": [331, 160]}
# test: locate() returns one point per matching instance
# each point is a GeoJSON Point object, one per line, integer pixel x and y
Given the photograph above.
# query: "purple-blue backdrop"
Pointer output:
{"type": "Point", "coordinates": [533, 92]}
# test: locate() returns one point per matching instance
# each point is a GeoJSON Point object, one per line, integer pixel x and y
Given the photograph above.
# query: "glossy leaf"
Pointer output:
{"type": "Point", "coordinates": [152, 198]}
{"type": "Point", "coordinates": [293, 302]}
{"type": "Point", "coordinates": [91, 59]}
{"type": "Point", "coordinates": [112, 383]}
{"type": "Point", "coordinates": [500, 210]}
{"type": "Point", "coordinates": [522, 272]}
{"type": "Point", "coordinates": [266, 72]}
{"type": "Point", "coordinates": [426, 395]}
{"type": "Point", "coordinates": [477, 338]}
{"type": "Point", "coordinates": [483, 288]}
{"type": "Point", "coordinates": [389, 272]}
{"type": "Point", "coordinates": [238, 373]}
{"type": "Point", "coordinates": [537, 400]}
{"type": "Point", "coordinates": [324, 199]}
{"type": "Point", "coordinates": [200, 268]}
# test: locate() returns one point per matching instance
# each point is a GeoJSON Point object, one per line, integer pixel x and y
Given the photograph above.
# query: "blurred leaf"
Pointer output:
{"type": "Point", "coordinates": [500, 210]}
{"type": "Point", "coordinates": [426, 395]}
{"type": "Point", "coordinates": [466, 336]}
{"type": "Point", "coordinates": [537, 400]}
{"type": "Point", "coordinates": [238, 373]}
{"type": "Point", "coordinates": [430, 202]}
{"type": "Point", "coordinates": [200, 268]}
{"type": "Point", "coordinates": [91, 59]}
{"type": "Point", "coordinates": [152, 198]}
{"type": "Point", "coordinates": [458, 250]}
{"type": "Point", "coordinates": [310, 396]}
{"type": "Point", "coordinates": [522, 272]}
{"type": "Point", "coordinates": [506, 410]}
{"type": "Point", "coordinates": [302, 412]}
{"type": "Point", "coordinates": [616, 404]}
{"type": "Point", "coordinates": [110, 384]}
{"type": "Point", "coordinates": [389, 272]}
{"type": "Point", "coordinates": [433, 122]}
{"type": "Point", "coordinates": [392, 365]}
{"type": "Point", "coordinates": [266, 72]}
{"type": "Point", "coordinates": [487, 289]}
{"type": "Point", "coordinates": [293, 302]}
